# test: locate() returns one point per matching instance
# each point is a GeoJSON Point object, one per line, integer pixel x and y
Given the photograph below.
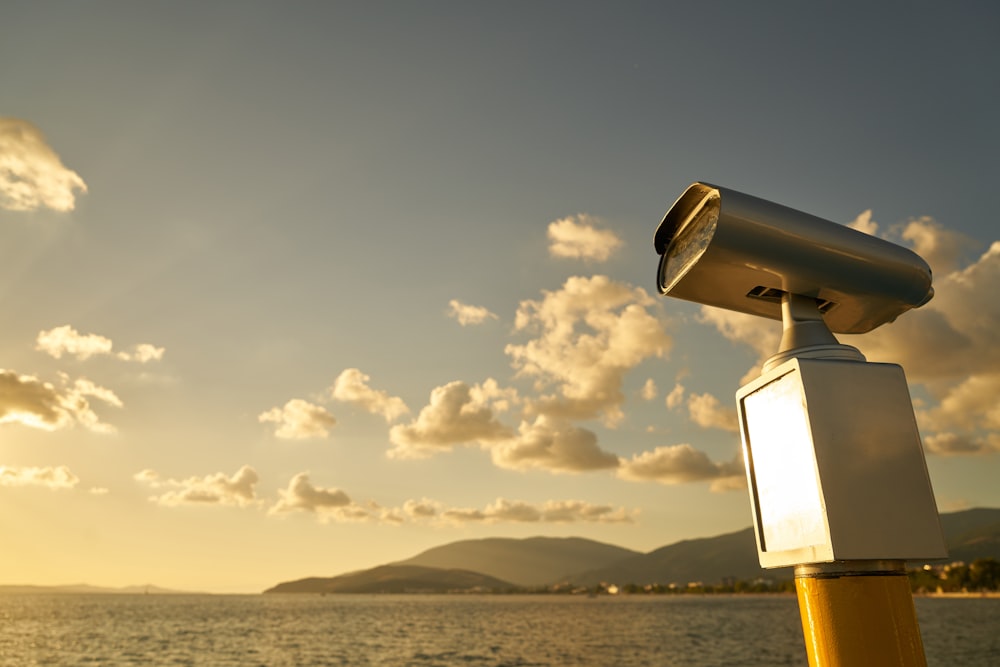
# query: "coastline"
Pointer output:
{"type": "Point", "coordinates": [959, 595]}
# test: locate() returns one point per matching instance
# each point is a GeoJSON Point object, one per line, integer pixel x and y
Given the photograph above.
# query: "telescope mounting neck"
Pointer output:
{"type": "Point", "coordinates": [806, 335]}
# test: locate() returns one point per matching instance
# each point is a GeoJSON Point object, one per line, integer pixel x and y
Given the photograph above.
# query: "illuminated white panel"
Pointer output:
{"type": "Point", "coordinates": [790, 505]}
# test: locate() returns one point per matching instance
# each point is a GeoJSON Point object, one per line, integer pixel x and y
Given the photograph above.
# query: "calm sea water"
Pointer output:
{"type": "Point", "coordinates": [489, 631]}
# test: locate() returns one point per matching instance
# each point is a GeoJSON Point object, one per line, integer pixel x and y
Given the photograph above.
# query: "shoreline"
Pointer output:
{"type": "Point", "coordinates": [984, 594]}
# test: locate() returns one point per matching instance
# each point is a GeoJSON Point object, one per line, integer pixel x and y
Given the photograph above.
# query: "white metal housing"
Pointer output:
{"type": "Point", "coordinates": [835, 465]}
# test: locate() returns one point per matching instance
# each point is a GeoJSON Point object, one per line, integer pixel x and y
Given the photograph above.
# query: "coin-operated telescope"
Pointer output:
{"type": "Point", "coordinates": [836, 472]}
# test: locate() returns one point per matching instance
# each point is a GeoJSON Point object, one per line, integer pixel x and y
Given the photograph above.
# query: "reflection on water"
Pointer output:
{"type": "Point", "coordinates": [446, 630]}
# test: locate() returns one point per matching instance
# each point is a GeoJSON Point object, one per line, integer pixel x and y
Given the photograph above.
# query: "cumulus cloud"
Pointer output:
{"type": "Point", "coordinates": [948, 346]}
{"type": "Point", "coordinates": [967, 418]}
{"type": "Point", "coordinates": [649, 390]}
{"type": "Point", "coordinates": [457, 414]}
{"type": "Point", "coordinates": [580, 237]}
{"type": "Point", "coordinates": [66, 340]}
{"type": "Point", "coordinates": [31, 174]}
{"type": "Point", "coordinates": [942, 248]}
{"type": "Point", "coordinates": [551, 511]}
{"type": "Point", "coordinates": [425, 508]}
{"type": "Point", "coordinates": [302, 495]}
{"type": "Point", "coordinates": [706, 411]}
{"type": "Point", "coordinates": [237, 490]}
{"type": "Point", "coordinates": [28, 401]}
{"type": "Point", "coordinates": [58, 477]}
{"type": "Point", "coordinates": [142, 353]}
{"type": "Point", "coordinates": [680, 464]}
{"type": "Point", "coordinates": [299, 419]}
{"type": "Point", "coordinates": [953, 336]}
{"type": "Point", "coordinates": [552, 444]}
{"type": "Point", "coordinates": [947, 443]}
{"type": "Point", "coordinates": [761, 334]}
{"type": "Point", "coordinates": [462, 415]}
{"type": "Point", "coordinates": [676, 396]}
{"type": "Point", "coordinates": [588, 336]}
{"type": "Point", "coordinates": [499, 399]}
{"type": "Point", "coordinates": [334, 505]}
{"type": "Point", "coordinates": [968, 405]}
{"type": "Point", "coordinates": [864, 223]}
{"type": "Point", "coordinates": [469, 315]}
{"type": "Point", "coordinates": [351, 386]}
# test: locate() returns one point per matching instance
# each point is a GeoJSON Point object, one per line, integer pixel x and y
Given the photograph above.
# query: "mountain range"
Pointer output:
{"type": "Point", "coordinates": [506, 563]}
{"type": "Point", "coordinates": [147, 589]}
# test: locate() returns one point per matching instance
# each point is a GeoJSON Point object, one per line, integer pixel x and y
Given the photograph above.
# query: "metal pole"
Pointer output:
{"type": "Point", "coordinates": [857, 613]}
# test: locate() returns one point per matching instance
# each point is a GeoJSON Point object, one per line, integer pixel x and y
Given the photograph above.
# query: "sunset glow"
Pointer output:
{"type": "Point", "coordinates": [295, 290]}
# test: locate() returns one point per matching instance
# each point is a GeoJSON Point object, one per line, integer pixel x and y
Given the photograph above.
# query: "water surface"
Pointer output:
{"type": "Point", "coordinates": [494, 631]}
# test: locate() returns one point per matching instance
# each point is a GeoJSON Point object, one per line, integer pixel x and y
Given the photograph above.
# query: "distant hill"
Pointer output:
{"type": "Point", "coordinates": [15, 589]}
{"type": "Point", "coordinates": [541, 561]}
{"type": "Point", "coordinates": [535, 561]}
{"type": "Point", "coordinates": [396, 579]}
{"type": "Point", "coordinates": [969, 534]}
{"type": "Point", "coordinates": [709, 560]}
{"type": "Point", "coordinates": [972, 534]}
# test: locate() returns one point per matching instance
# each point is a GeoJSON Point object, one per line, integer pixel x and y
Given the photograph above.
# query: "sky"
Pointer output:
{"type": "Point", "coordinates": [295, 289]}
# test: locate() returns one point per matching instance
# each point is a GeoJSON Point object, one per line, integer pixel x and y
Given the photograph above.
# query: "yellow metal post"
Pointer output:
{"type": "Point", "coordinates": [858, 614]}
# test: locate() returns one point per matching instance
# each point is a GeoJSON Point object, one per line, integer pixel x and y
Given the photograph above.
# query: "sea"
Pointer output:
{"type": "Point", "coordinates": [445, 630]}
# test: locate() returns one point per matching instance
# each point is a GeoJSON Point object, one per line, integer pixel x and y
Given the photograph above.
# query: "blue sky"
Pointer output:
{"type": "Point", "coordinates": [294, 289]}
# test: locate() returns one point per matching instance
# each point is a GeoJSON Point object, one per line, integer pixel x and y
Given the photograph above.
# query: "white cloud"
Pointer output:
{"type": "Point", "coordinates": [351, 386]}
{"type": "Point", "coordinates": [299, 419]}
{"type": "Point", "coordinates": [554, 445]}
{"type": "Point", "coordinates": [649, 390]}
{"type": "Point", "coordinates": [551, 511]}
{"type": "Point", "coordinates": [589, 334]}
{"type": "Point", "coordinates": [968, 405]}
{"type": "Point", "coordinates": [425, 508]}
{"type": "Point", "coordinates": [579, 237]}
{"type": "Point", "coordinates": [142, 353]}
{"type": "Point", "coordinates": [147, 476]}
{"type": "Point", "coordinates": [761, 334]}
{"type": "Point", "coordinates": [31, 174]}
{"type": "Point", "coordinates": [59, 477]}
{"type": "Point", "coordinates": [334, 505]}
{"type": "Point", "coordinates": [948, 443]}
{"type": "Point", "coordinates": [66, 340]}
{"type": "Point", "coordinates": [237, 490]}
{"type": "Point", "coordinates": [967, 418]}
{"type": "Point", "coordinates": [457, 414]}
{"type": "Point", "coordinates": [942, 248]}
{"type": "Point", "coordinates": [676, 396]}
{"type": "Point", "coordinates": [954, 335]}
{"type": "Point", "coordinates": [28, 401]}
{"type": "Point", "coordinates": [85, 387]}
{"type": "Point", "coordinates": [499, 399]}
{"type": "Point", "coordinates": [706, 411]}
{"type": "Point", "coordinates": [864, 223]}
{"type": "Point", "coordinates": [462, 415]}
{"type": "Point", "coordinates": [948, 345]}
{"type": "Point", "coordinates": [463, 515]}
{"type": "Point", "coordinates": [680, 464]}
{"type": "Point", "coordinates": [469, 315]}
{"type": "Point", "coordinates": [302, 496]}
